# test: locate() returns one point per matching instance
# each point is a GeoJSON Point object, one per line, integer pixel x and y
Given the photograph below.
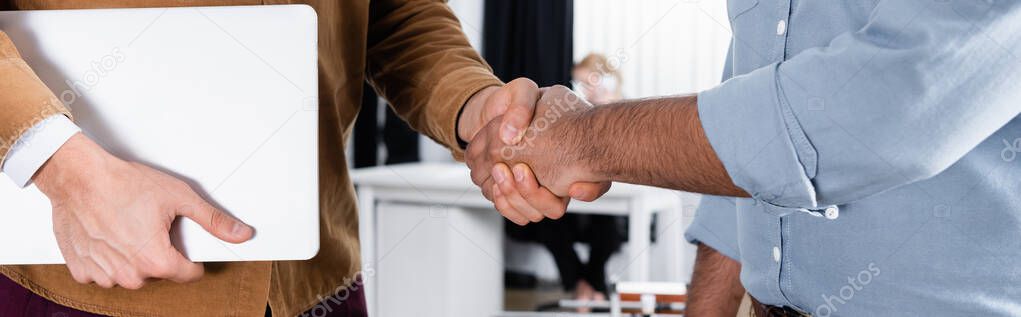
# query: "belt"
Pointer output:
{"type": "Point", "coordinates": [763, 310]}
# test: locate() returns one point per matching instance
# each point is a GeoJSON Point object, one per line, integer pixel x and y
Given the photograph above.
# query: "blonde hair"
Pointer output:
{"type": "Point", "coordinates": [599, 64]}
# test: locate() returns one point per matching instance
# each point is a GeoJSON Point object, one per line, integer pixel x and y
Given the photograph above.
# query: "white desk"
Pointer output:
{"type": "Point", "coordinates": [445, 191]}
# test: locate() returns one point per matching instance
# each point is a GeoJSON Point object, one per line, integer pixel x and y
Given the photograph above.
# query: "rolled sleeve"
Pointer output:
{"type": "Point", "coordinates": [715, 225]}
{"type": "Point", "coordinates": [885, 106]}
{"type": "Point", "coordinates": [758, 139]}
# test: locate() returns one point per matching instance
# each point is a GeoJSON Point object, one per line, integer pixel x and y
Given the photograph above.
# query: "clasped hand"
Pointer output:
{"type": "Point", "coordinates": [534, 174]}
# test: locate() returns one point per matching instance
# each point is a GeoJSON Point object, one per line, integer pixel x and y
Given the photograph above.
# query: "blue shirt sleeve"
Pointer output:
{"type": "Point", "coordinates": [715, 225]}
{"type": "Point", "coordinates": [895, 102]}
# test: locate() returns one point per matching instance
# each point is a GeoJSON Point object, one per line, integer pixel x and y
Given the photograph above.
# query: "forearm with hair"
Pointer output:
{"type": "Point", "coordinates": [657, 142]}
{"type": "Point", "coordinates": [715, 285]}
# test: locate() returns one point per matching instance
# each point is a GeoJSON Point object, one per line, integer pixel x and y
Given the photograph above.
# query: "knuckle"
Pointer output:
{"type": "Point", "coordinates": [104, 283]}
{"type": "Point", "coordinates": [477, 180]}
{"type": "Point", "coordinates": [81, 278]}
{"type": "Point", "coordinates": [525, 192]}
{"type": "Point", "coordinates": [477, 177]}
{"type": "Point", "coordinates": [178, 189]}
{"type": "Point", "coordinates": [503, 207]}
{"type": "Point", "coordinates": [180, 185]}
{"type": "Point", "coordinates": [159, 268]}
{"type": "Point", "coordinates": [556, 213]}
{"type": "Point", "coordinates": [217, 218]}
{"type": "Point", "coordinates": [525, 81]}
{"type": "Point", "coordinates": [129, 278]}
{"type": "Point", "coordinates": [131, 283]}
{"type": "Point", "coordinates": [505, 214]}
{"type": "Point", "coordinates": [495, 151]}
{"type": "Point", "coordinates": [192, 277]}
{"type": "Point", "coordinates": [536, 217]}
{"type": "Point", "coordinates": [514, 217]}
{"type": "Point", "coordinates": [507, 189]}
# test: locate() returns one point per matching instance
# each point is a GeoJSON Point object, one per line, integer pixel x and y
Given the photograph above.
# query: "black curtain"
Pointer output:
{"type": "Point", "coordinates": [530, 38]}
{"type": "Point", "coordinates": [400, 141]}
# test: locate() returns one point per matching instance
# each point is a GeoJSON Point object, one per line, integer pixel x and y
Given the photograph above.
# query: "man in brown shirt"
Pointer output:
{"type": "Point", "coordinates": [412, 52]}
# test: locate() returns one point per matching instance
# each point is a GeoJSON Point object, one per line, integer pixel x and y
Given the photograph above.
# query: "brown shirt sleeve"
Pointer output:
{"type": "Point", "coordinates": [421, 62]}
{"type": "Point", "coordinates": [24, 99]}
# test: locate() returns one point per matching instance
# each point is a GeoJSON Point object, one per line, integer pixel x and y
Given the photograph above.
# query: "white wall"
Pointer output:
{"type": "Point", "coordinates": [470, 14]}
{"type": "Point", "coordinates": [662, 47]}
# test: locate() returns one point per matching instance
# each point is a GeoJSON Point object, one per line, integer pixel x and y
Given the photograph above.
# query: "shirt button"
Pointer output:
{"type": "Point", "coordinates": [781, 27]}
{"type": "Point", "coordinates": [776, 254]}
{"type": "Point", "coordinates": [832, 212]}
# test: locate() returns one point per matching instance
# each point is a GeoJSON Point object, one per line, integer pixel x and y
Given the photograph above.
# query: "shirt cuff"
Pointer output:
{"type": "Point", "coordinates": [759, 141]}
{"type": "Point", "coordinates": [715, 225]}
{"type": "Point", "coordinates": [36, 146]}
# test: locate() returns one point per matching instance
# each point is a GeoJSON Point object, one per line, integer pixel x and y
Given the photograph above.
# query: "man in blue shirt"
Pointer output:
{"type": "Point", "coordinates": [871, 147]}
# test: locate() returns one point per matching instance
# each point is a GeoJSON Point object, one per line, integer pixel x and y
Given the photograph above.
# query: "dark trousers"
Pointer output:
{"type": "Point", "coordinates": [602, 233]}
{"type": "Point", "coordinates": [16, 301]}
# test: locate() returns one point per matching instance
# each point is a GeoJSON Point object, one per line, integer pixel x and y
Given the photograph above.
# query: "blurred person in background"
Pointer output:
{"type": "Point", "coordinates": [595, 79]}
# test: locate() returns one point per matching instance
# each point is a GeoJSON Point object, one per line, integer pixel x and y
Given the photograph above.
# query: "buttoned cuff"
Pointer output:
{"type": "Point", "coordinates": [759, 141]}
{"type": "Point", "coordinates": [36, 146]}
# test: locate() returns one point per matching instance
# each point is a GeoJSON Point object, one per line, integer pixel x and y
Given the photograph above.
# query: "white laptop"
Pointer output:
{"type": "Point", "coordinates": [223, 96]}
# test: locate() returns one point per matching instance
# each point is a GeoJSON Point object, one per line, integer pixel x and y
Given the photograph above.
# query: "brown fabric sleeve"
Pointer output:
{"type": "Point", "coordinates": [421, 62]}
{"type": "Point", "coordinates": [24, 99]}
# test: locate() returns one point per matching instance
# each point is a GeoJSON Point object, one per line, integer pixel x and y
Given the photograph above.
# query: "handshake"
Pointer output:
{"type": "Point", "coordinates": [531, 150]}
{"type": "Point", "coordinates": [523, 153]}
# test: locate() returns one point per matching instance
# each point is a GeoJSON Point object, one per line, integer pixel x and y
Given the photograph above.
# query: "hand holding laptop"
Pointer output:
{"type": "Point", "coordinates": [239, 129]}
{"type": "Point", "coordinates": [111, 217]}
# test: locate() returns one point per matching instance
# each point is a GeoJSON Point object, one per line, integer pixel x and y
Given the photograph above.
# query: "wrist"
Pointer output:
{"type": "Point", "coordinates": [70, 166]}
{"type": "Point", "coordinates": [470, 119]}
{"type": "Point", "coordinates": [588, 146]}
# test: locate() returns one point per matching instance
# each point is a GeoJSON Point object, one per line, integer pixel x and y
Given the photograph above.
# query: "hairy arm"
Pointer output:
{"type": "Point", "coordinates": [656, 141]}
{"type": "Point", "coordinates": [810, 166]}
{"type": "Point", "coordinates": [715, 285]}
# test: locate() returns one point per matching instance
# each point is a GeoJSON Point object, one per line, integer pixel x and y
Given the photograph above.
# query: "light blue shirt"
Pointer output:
{"type": "Point", "coordinates": [882, 145]}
